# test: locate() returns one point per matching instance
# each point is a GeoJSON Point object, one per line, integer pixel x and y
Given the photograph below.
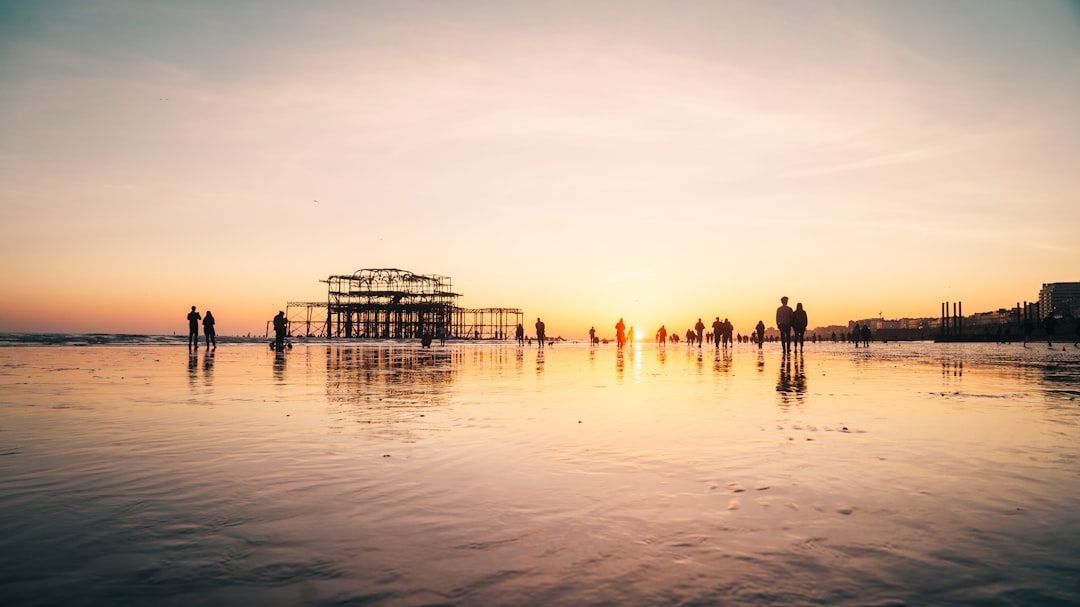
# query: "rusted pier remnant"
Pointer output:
{"type": "Point", "coordinates": [388, 303]}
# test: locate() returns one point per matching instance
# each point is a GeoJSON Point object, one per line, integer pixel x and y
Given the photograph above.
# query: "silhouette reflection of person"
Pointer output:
{"type": "Point", "coordinates": [208, 330]}
{"type": "Point", "coordinates": [798, 325]}
{"type": "Point", "coordinates": [783, 381]}
{"type": "Point", "coordinates": [799, 378]}
{"type": "Point", "coordinates": [784, 317]}
{"type": "Point", "coordinates": [208, 364]}
{"type": "Point", "coordinates": [193, 328]}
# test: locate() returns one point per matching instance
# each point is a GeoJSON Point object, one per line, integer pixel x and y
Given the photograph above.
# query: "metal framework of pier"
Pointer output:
{"type": "Point", "coordinates": [388, 303]}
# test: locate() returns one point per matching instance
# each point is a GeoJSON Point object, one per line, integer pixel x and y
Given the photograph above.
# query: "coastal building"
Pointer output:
{"type": "Point", "coordinates": [1060, 298]}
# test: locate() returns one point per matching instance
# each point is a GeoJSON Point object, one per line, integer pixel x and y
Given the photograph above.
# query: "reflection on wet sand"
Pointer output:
{"type": "Point", "coordinates": [387, 474]}
{"type": "Point", "coordinates": [722, 361]}
{"type": "Point", "coordinates": [357, 373]}
{"type": "Point", "coordinates": [954, 367]}
{"type": "Point", "coordinates": [385, 386]}
{"type": "Point", "coordinates": [200, 376]}
{"type": "Point", "coordinates": [791, 385]}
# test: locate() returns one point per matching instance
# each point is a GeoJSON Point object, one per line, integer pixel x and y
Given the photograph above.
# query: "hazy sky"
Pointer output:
{"type": "Point", "coordinates": [582, 161]}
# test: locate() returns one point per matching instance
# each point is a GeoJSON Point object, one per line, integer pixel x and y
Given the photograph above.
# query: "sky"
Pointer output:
{"type": "Point", "coordinates": [659, 161]}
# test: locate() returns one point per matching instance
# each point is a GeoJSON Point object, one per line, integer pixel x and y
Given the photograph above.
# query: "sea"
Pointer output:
{"type": "Point", "coordinates": [134, 471]}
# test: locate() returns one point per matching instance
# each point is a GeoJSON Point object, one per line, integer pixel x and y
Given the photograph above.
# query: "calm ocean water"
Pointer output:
{"type": "Point", "coordinates": [133, 472]}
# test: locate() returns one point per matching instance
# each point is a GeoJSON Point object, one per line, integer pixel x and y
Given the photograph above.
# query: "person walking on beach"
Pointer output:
{"type": "Point", "coordinates": [700, 328]}
{"type": "Point", "coordinates": [760, 330]}
{"type": "Point", "coordinates": [798, 325]}
{"type": "Point", "coordinates": [280, 327]}
{"type": "Point", "coordinates": [519, 333]}
{"type": "Point", "coordinates": [193, 318]}
{"type": "Point", "coordinates": [717, 332]}
{"type": "Point", "coordinates": [865, 335]}
{"type": "Point", "coordinates": [540, 337]}
{"type": "Point", "coordinates": [855, 333]}
{"type": "Point", "coordinates": [728, 330]}
{"type": "Point", "coordinates": [620, 333]}
{"type": "Point", "coordinates": [208, 330]}
{"type": "Point", "coordinates": [661, 335]}
{"type": "Point", "coordinates": [1049, 324]}
{"type": "Point", "coordinates": [592, 335]}
{"type": "Point", "coordinates": [784, 316]}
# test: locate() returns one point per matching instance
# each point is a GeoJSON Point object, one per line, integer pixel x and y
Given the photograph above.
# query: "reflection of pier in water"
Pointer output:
{"type": "Point", "coordinates": [389, 387]}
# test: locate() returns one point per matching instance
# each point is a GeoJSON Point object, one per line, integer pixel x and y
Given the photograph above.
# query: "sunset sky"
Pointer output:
{"type": "Point", "coordinates": [582, 161]}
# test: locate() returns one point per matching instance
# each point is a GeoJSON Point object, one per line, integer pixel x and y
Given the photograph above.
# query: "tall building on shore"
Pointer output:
{"type": "Point", "coordinates": [1060, 298]}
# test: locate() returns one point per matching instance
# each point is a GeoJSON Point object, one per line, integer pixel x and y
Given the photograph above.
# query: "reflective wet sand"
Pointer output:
{"type": "Point", "coordinates": [486, 474]}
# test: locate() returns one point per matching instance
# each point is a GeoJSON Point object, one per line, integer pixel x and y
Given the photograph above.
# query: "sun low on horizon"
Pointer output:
{"type": "Point", "coordinates": [656, 161]}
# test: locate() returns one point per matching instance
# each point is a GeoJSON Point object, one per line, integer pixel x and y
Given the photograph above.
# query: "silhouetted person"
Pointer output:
{"type": "Point", "coordinates": [425, 339]}
{"type": "Point", "coordinates": [620, 333]}
{"type": "Point", "coordinates": [717, 331]}
{"type": "Point", "coordinates": [280, 327]}
{"type": "Point", "coordinates": [855, 332]}
{"type": "Point", "coordinates": [661, 335]}
{"type": "Point", "coordinates": [592, 335]}
{"type": "Point", "coordinates": [865, 335]}
{"type": "Point", "coordinates": [760, 330]}
{"type": "Point", "coordinates": [540, 337]}
{"type": "Point", "coordinates": [630, 335]}
{"type": "Point", "coordinates": [193, 318]}
{"type": "Point", "coordinates": [783, 323]}
{"type": "Point", "coordinates": [1049, 324]}
{"type": "Point", "coordinates": [208, 330]}
{"type": "Point", "coordinates": [798, 325]}
{"type": "Point", "coordinates": [727, 329]}
{"type": "Point", "coordinates": [519, 332]}
{"type": "Point", "coordinates": [700, 329]}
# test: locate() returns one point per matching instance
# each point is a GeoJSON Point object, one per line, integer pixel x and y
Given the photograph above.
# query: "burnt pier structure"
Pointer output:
{"type": "Point", "coordinates": [388, 303]}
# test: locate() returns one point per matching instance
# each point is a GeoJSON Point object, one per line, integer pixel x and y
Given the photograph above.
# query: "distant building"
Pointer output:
{"type": "Point", "coordinates": [1060, 298]}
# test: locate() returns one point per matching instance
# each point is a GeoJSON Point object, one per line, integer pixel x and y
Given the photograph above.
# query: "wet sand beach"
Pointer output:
{"type": "Point", "coordinates": [382, 473]}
